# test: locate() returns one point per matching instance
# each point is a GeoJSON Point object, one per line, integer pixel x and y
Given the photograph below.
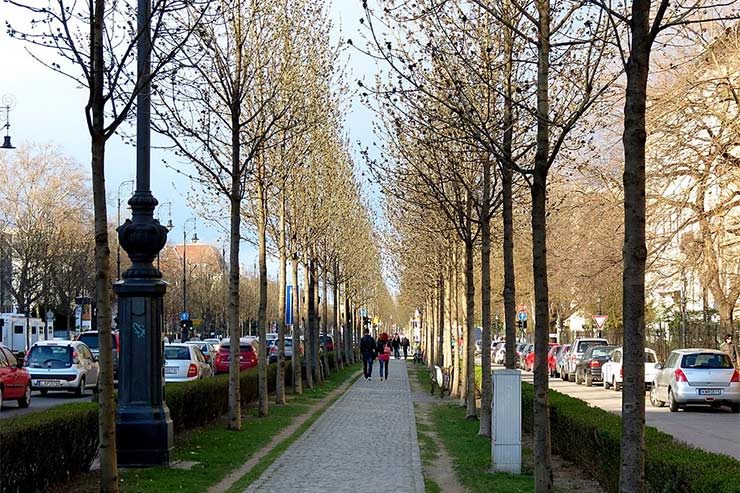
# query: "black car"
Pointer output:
{"type": "Point", "coordinates": [589, 368]}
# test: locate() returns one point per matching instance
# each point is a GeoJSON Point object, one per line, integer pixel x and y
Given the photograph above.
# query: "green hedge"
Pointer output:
{"type": "Point", "coordinates": [49, 446]}
{"type": "Point", "coordinates": [41, 448]}
{"type": "Point", "coordinates": [591, 437]}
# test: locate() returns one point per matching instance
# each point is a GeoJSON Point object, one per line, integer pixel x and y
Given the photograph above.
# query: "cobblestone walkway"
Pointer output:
{"type": "Point", "coordinates": [367, 435]}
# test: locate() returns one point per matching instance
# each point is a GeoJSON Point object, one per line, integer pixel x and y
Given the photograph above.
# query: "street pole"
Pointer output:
{"type": "Point", "coordinates": [143, 423]}
{"type": "Point", "coordinates": [118, 248]}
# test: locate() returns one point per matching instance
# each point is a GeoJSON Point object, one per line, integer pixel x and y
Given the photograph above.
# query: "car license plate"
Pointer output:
{"type": "Point", "coordinates": [710, 391]}
{"type": "Point", "coordinates": [48, 383]}
{"type": "Point", "coordinates": [170, 370]}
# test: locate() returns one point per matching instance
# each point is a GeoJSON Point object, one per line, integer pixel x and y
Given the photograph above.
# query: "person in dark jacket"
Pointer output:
{"type": "Point", "coordinates": [405, 345]}
{"type": "Point", "coordinates": [396, 344]}
{"type": "Point", "coordinates": [368, 349]}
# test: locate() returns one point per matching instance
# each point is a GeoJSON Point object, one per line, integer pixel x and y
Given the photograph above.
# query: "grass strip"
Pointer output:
{"type": "Point", "coordinates": [219, 451]}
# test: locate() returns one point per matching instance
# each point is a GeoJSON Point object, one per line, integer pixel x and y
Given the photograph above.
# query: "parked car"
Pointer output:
{"type": "Point", "coordinates": [588, 369]}
{"type": "Point", "coordinates": [528, 348]}
{"type": "Point", "coordinates": [247, 359]}
{"type": "Point", "coordinates": [15, 381]}
{"type": "Point", "coordinates": [696, 376]}
{"type": "Point", "coordinates": [328, 341]}
{"type": "Point", "coordinates": [185, 362]}
{"type": "Point", "coordinates": [209, 352]}
{"type": "Point", "coordinates": [575, 354]}
{"type": "Point", "coordinates": [62, 365]}
{"type": "Point", "coordinates": [477, 347]}
{"type": "Point", "coordinates": [272, 350]}
{"type": "Point", "coordinates": [560, 357]}
{"type": "Point", "coordinates": [92, 340]}
{"type": "Point", "coordinates": [612, 370]}
{"type": "Point", "coordinates": [554, 348]}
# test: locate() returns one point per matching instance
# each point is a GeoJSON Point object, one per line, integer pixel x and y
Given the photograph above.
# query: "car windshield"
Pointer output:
{"type": "Point", "coordinates": [650, 358]}
{"type": "Point", "coordinates": [584, 345]}
{"type": "Point", "coordinates": [176, 352]}
{"type": "Point", "coordinates": [601, 352]}
{"type": "Point", "coordinates": [50, 357]}
{"type": "Point", "coordinates": [706, 360]}
{"type": "Point", "coordinates": [245, 348]}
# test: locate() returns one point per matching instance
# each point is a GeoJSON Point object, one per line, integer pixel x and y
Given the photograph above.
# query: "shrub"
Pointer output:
{"type": "Point", "coordinates": [41, 448]}
{"type": "Point", "coordinates": [591, 437]}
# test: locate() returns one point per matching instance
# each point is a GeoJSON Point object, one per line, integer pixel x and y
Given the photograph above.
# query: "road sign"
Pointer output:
{"type": "Point", "coordinates": [522, 308]}
{"type": "Point", "coordinates": [184, 316]}
{"type": "Point", "coordinates": [522, 316]}
{"type": "Point", "coordinates": [600, 320]}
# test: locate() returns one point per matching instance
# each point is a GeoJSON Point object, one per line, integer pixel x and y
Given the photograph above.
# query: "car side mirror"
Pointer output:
{"type": "Point", "coordinates": [658, 366]}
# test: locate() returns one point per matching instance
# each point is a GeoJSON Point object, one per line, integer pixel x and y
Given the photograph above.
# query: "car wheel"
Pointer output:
{"type": "Point", "coordinates": [80, 390]}
{"type": "Point", "coordinates": [607, 384]}
{"type": "Point", "coordinates": [1, 398]}
{"type": "Point", "coordinates": [735, 406]}
{"type": "Point", "coordinates": [654, 401]}
{"type": "Point", "coordinates": [589, 380]}
{"type": "Point", "coordinates": [578, 380]}
{"type": "Point", "coordinates": [617, 386]}
{"type": "Point", "coordinates": [25, 401]}
{"type": "Point", "coordinates": [565, 376]}
{"type": "Point", "coordinates": [672, 404]}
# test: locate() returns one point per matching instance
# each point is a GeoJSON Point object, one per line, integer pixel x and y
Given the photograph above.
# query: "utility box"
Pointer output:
{"type": "Point", "coordinates": [506, 422]}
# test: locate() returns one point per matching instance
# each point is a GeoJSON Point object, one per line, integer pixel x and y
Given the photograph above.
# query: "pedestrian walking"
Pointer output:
{"type": "Point", "coordinates": [368, 348]}
{"type": "Point", "coordinates": [384, 355]}
{"type": "Point", "coordinates": [731, 349]}
{"type": "Point", "coordinates": [405, 345]}
{"type": "Point", "coordinates": [396, 343]}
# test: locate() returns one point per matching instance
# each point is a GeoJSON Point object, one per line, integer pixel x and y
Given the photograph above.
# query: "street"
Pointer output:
{"type": "Point", "coordinates": [716, 430]}
{"type": "Point", "coordinates": [39, 403]}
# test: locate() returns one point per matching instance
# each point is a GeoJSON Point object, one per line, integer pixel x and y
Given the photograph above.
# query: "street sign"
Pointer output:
{"type": "Point", "coordinates": [184, 316]}
{"type": "Point", "coordinates": [522, 308]}
{"type": "Point", "coordinates": [522, 316]}
{"type": "Point", "coordinates": [600, 320]}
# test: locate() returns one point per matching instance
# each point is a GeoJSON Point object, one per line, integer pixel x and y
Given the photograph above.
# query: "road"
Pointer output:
{"type": "Point", "coordinates": [38, 403]}
{"type": "Point", "coordinates": [716, 430]}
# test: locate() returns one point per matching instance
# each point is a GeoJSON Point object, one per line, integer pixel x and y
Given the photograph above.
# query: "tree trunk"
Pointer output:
{"type": "Point", "coordinates": [456, 332]}
{"type": "Point", "coordinates": [262, 311]}
{"type": "Point", "coordinates": [470, 326]}
{"type": "Point", "coordinates": [507, 180]}
{"type": "Point", "coordinates": [282, 287]}
{"type": "Point", "coordinates": [235, 413]}
{"type": "Point", "coordinates": [347, 325]}
{"type": "Point", "coordinates": [107, 409]}
{"type": "Point", "coordinates": [312, 371]}
{"type": "Point", "coordinates": [325, 316]}
{"type": "Point", "coordinates": [337, 321]}
{"type": "Point", "coordinates": [440, 321]}
{"type": "Point", "coordinates": [632, 470]}
{"type": "Point", "coordinates": [486, 388]}
{"type": "Point", "coordinates": [542, 452]}
{"type": "Point", "coordinates": [297, 376]}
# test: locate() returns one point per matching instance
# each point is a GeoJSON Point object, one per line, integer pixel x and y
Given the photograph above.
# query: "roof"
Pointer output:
{"type": "Point", "coordinates": [198, 254]}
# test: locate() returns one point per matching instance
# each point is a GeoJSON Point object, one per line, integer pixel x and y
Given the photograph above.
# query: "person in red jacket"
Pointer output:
{"type": "Point", "coordinates": [384, 355]}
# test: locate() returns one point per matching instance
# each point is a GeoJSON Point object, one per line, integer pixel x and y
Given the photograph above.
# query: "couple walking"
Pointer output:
{"type": "Point", "coordinates": [371, 349]}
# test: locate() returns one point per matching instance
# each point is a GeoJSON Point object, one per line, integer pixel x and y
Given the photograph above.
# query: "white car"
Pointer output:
{"type": "Point", "coordinates": [62, 365]}
{"type": "Point", "coordinates": [611, 371]}
{"type": "Point", "coordinates": [185, 362]}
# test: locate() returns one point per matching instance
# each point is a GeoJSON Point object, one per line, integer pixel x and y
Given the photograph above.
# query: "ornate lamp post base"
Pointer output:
{"type": "Point", "coordinates": [143, 424]}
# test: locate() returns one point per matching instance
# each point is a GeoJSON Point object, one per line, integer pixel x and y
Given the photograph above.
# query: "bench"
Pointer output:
{"type": "Point", "coordinates": [442, 379]}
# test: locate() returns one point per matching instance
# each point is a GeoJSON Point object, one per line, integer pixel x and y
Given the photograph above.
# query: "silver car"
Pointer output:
{"type": "Point", "coordinates": [208, 350]}
{"type": "Point", "coordinates": [184, 363]}
{"type": "Point", "coordinates": [272, 349]}
{"type": "Point", "coordinates": [696, 376]}
{"type": "Point", "coordinates": [62, 365]}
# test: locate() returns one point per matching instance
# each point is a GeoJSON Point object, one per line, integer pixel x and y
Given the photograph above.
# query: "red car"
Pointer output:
{"type": "Point", "coordinates": [248, 357]}
{"type": "Point", "coordinates": [529, 358]}
{"type": "Point", "coordinates": [15, 381]}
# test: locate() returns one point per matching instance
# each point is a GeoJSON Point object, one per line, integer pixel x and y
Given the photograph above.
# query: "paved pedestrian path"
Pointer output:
{"type": "Point", "coordinates": [364, 443]}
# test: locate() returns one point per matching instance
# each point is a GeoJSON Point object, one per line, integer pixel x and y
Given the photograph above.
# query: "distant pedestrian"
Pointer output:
{"type": "Point", "coordinates": [731, 349]}
{"type": "Point", "coordinates": [384, 355]}
{"type": "Point", "coordinates": [405, 345]}
{"type": "Point", "coordinates": [396, 343]}
{"type": "Point", "coordinates": [368, 348]}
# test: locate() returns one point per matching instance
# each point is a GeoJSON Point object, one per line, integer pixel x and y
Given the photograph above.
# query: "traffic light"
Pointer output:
{"type": "Point", "coordinates": [518, 324]}
{"type": "Point", "coordinates": [185, 326]}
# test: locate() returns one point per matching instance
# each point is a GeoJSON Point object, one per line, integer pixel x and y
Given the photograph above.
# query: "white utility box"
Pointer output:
{"type": "Point", "coordinates": [506, 422]}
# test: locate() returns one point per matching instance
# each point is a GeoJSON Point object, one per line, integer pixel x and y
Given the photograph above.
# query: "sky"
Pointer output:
{"type": "Point", "coordinates": [49, 108]}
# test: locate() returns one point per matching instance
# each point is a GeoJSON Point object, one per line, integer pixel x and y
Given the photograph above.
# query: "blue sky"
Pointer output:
{"type": "Point", "coordinates": [50, 108]}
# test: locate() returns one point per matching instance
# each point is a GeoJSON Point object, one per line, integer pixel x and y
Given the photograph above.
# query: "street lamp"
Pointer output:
{"type": "Point", "coordinates": [8, 104]}
{"type": "Point", "coordinates": [49, 322]}
{"type": "Point", "coordinates": [124, 184]}
{"type": "Point", "coordinates": [143, 423]}
{"type": "Point", "coordinates": [169, 225]}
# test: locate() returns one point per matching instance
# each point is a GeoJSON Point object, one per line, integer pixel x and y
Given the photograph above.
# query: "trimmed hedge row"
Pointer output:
{"type": "Point", "coordinates": [45, 447]}
{"type": "Point", "coordinates": [591, 437]}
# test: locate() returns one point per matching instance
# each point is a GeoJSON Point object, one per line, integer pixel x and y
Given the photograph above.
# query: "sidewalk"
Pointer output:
{"type": "Point", "coordinates": [367, 435]}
